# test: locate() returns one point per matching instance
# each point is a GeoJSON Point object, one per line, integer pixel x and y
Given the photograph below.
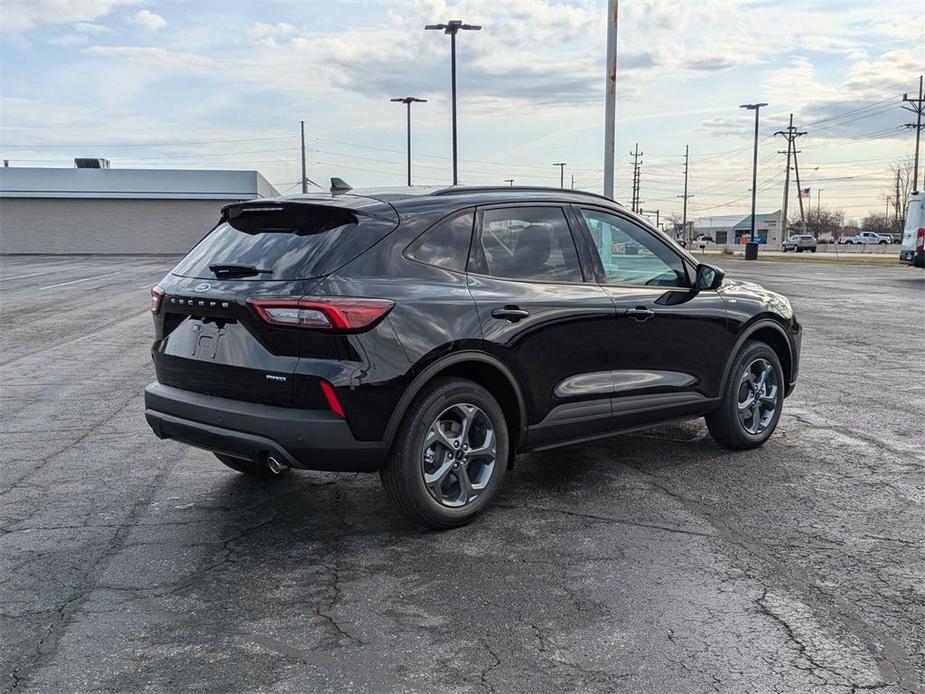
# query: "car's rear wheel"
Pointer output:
{"type": "Point", "coordinates": [752, 399]}
{"type": "Point", "coordinates": [813, 250]}
{"type": "Point", "coordinates": [250, 468]}
{"type": "Point", "coordinates": [449, 455]}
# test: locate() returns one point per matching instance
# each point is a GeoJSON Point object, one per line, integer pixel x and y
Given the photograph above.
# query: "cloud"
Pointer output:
{"type": "Point", "coordinates": [158, 58]}
{"type": "Point", "coordinates": [22, 15]}
{"type": "Point", "coordinates": [91, 28]}
{"type": "Point", "coordinates": [267, 34]}
{"type": "Point", "coordinates": [713, 63]}
{"type": "Point", "coordinates": [149, 20]}
{"type": "Point", "coordinates": [69, 40]}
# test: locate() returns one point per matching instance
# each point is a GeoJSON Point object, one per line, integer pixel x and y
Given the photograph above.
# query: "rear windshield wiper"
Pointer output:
{"type": "Point", "coordinates": [237, 269]}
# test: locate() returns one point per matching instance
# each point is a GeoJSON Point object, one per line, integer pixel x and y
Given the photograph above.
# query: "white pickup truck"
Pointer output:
{"type": "Point", "coordinates": [867, 237]}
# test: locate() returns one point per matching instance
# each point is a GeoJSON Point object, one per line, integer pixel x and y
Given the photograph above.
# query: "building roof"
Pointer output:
{"type": "Point", "coordinates": [719, 222]}
{"type": "Point", "coordinates": [158, 184]}
{"type": "Point", "coordinates": [761, 221]}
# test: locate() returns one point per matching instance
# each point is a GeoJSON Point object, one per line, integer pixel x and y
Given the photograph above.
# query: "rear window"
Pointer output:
{"type": "Point", "coordinates": [295, 243]}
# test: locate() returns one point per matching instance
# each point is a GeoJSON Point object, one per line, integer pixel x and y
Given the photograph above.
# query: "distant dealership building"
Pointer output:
{"type": "Point", "coordinates": [104, 210]}
{"type": "Point", "coordinates": [730, 229]}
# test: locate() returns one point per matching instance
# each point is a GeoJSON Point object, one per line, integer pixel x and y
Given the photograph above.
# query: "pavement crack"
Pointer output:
{"type": "Point", "coordinates": [607, 519]}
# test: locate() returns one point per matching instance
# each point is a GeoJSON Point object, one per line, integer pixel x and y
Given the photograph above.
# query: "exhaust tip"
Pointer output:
{"type": "Point", "coordinates": [276, 467]}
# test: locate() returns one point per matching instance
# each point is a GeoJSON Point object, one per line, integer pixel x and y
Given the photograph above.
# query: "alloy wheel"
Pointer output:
{"type": "Point", "coordinates": [759, 396]}
{"type": "Point", "coordinates": [459, 455]}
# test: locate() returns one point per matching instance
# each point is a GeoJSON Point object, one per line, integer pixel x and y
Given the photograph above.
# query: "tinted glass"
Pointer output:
{"type": "Point", "coordinates": [320, 242]}
{"type": "Point", "coordinates": [529, 243]}
{"type": "Point", "coordinates": [631, 255]}
{"type": "Point", "coordinates": [447, 244]}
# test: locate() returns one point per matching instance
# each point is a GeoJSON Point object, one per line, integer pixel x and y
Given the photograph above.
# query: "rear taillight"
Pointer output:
{"type": "Point", "coordinates": [920, 240]}
{"type": "Point", "coordinates": [157, 297]}
{"type": "Point", "coordinates": [322, 313]}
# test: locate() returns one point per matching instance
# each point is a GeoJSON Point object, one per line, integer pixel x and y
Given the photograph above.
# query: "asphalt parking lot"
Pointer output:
{"type": "Point", "coordinates": [650, 562]}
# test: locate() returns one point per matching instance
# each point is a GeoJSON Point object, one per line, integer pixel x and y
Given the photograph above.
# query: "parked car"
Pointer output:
{"type": "Point", "coordinates": [912, 250]}
{"type": "Point", "coordinates": [799, 243]}
{"type": "Point", "coordinates": [431, 335]}
{"type": "Point", "coordinates": [705, 238]}
{"type": "Point", "coordinates": [867, 237]}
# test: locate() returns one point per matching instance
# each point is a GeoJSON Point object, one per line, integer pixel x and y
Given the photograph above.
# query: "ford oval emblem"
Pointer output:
{"type": "Point", "coordinates": [202, 287]}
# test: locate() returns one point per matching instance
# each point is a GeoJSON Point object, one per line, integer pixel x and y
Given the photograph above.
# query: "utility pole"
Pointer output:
{"type": "Point", "coordinates": [304, 178]}
{"type": "Point", "coordinates": [636, 164]}
{"type": "Point", "coordinates": [452, 28]}
{"type": "Point", "coordinates": [684, 231]}
{"type": "Point", "coordinates": [917, 110]}
{"type": "Point", "coordinates": [407, 101]}
{"type": "Point", "coordinates": [818, 200]}
{"type": "Point", "coordinates": [573, 181]}
{"type": "Point", "coordinates": [655, 212]}
{"type": "Point", "coordinates": [509, 181]}
{"type": "Point", "coordinates": [756, 108]}
{"type": "Point", "coordinates": [610, 101]}
{"type": "Point", "coordinates": [561, 165]}
{"type": "Point", "coordinates": [791, 133]}
{"type": "Point", "coordinates": [796, 170]}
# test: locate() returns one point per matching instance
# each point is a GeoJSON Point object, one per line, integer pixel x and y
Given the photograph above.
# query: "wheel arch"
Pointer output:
{"type": "Point", "coordinates": [482, 368]}
{"type": "Point", "coordinates": [774, 335]}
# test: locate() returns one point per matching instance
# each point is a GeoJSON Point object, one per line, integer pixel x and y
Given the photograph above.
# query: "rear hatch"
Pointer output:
{"type": "Point", "coordinates": [915, 220]}
{"type": "Point", "coordinates": [212, 339]}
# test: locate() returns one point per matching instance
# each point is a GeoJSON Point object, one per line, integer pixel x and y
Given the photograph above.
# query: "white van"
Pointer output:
{"type": "Point", "coordinates": [913, 248]}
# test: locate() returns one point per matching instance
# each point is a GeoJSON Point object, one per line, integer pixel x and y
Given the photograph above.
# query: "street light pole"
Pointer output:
{"type": "Point", "coordinates": [408, 100]}
{"type": "Point", "coordinates": [756, 108]}
{"type": "Point", "coordinates": [452, 28]}
{"type": "Point", "coordinates": [509, 181]}
{"type": "Point", "coordinates": [561, 165]}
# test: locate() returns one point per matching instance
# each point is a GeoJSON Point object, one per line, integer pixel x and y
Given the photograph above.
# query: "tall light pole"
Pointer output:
{"type": "Point", "coordinates": [304, 178]}
{"type": "Point", "coordinates": [756, 108]}
{"type": "Point", "coordinates": [452, 28]}
{"type": "Point", "coordinates": [610, 102]}
{"type": "Point", "coordinates": [561, 165]}
{"type": "Point", "coordinates": [408, 100]}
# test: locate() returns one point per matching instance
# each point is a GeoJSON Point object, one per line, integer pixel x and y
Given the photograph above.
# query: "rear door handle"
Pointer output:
{"type": "Point", "coordinates": [640, 313]}
{"type": "Point", "coordinates": [510, 313]}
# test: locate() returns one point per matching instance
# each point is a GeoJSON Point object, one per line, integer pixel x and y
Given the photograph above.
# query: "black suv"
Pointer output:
{"type": "Point", "coordinates": [431, 334]}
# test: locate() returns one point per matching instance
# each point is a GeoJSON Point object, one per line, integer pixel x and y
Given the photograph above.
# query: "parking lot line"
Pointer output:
{"type": "Point", "coordinates": [85, 279]}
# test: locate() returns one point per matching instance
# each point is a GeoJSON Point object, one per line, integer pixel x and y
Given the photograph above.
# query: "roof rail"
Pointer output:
{"type": "Point", "coordinates": [463, 190]}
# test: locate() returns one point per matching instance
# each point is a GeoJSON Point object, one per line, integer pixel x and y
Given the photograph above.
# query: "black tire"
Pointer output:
{"type": "Point", "coordinates": [403, 474]}
{"type": "Point", "coordinates": [724, 423]}
{"type": "Point", "coordinates": [813, 250]}
{"type": "Point", "coordinates": [249, 468]}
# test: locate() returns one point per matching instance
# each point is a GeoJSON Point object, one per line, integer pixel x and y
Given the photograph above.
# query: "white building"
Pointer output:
{"type": "Point", "coordinates": [103, 210]}
{"type": "Point", "coordinates": [730, 228]}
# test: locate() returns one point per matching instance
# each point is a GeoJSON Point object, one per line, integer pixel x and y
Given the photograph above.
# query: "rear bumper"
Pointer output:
{"type": "Point", "coordinates": [308, 439]}
{"type": "Point", "coordinates": [916, 258]}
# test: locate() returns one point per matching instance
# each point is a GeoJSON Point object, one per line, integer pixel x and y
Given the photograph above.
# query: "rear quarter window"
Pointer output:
{"type": "Point", "coordinates": [446, 244]}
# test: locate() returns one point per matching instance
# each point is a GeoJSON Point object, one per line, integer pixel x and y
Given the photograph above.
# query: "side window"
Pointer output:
{"type": "Point", "coordinates": [631, 255]}
{"type": "Point", "coordinates": [529, 243]}
{"type": "Point", "coordinates": [446, 245]}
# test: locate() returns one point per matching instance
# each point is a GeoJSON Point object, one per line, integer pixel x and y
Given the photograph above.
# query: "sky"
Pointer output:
{"type": "Point", "coordinates": [223, 85]}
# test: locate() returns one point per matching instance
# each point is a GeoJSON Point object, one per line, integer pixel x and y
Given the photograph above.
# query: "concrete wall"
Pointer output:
{"type": "Point", "coordinates": [56, 225]}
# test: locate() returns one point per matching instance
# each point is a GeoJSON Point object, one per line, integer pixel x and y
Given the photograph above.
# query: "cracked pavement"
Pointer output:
{"type": "Point", "coordinates": [649, 562]}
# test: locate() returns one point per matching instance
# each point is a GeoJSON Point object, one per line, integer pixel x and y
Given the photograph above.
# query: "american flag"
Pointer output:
{"type": "Point", "coordinates": [804, 192]}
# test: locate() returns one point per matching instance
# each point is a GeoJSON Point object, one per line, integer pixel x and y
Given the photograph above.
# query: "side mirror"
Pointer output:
{"type": "Point", "coordinates": [708, 277]}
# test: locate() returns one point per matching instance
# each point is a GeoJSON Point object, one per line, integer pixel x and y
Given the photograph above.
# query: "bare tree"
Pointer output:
{"type": "Point", "coordinates": [820, 222]}
{"type": "Point", "coordinates": [898, 192]}
{"type": "Point", "coordinates": [878, 222]}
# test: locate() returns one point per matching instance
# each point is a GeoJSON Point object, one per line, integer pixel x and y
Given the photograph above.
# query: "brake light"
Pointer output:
{"type": "Point", "coordinates": [920, 240]}
{"type": "Point", "coordinates": [157, 297]}
{"type": "Point", "coordinates": [322, 313]}
{"type": "Point", "coordinates": [331, 397]}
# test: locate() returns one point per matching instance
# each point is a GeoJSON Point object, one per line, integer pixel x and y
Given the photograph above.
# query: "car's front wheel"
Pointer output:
{"type": "Point", "coordinates": [752, 399]}
{"type": "Point", "coordinates": [449, 455]}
